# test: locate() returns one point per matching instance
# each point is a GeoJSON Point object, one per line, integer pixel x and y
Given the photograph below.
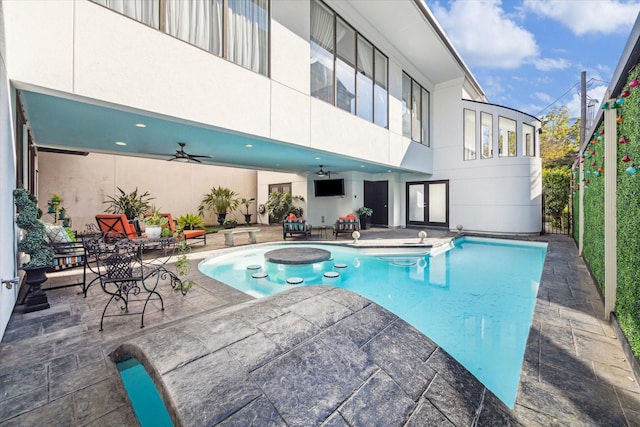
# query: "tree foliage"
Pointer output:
{"type": "Point", "coordinates": [556, 188]}
{"type": "Point", "coordinates": [559, 139]}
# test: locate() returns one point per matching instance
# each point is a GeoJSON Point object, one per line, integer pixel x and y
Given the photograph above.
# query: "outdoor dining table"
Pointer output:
{"type": "Point", "coordinates": [129, 268]}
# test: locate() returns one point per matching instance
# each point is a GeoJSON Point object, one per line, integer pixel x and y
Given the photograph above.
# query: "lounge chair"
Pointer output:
{"type": "Point", "coordinates": [188, 234]}
{"type": "Point", "coordinates": [346, 225]}
{"type": "Point", "coordinates": [293, 225]}
{"type": "Point", "coordinates": [116, 226]}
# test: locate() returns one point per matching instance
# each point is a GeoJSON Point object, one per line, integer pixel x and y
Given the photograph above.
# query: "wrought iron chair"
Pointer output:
{"type": "Point", "coordinates": [126, 278]}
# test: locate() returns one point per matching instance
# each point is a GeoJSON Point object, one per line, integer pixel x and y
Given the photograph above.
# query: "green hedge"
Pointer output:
{"type": "Point", "coordinates": [593, 186]}
{"type": "Point", "coordinates": [628, 218]}
{"type": "Point", "coordinates": [628, 215]}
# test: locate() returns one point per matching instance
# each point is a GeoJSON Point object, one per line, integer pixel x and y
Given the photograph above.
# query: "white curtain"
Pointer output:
{"type": "Point", "coordinates": [248, 27]}
{"type": "Point", "coordinates": [145, 11]}
{"type": "Point", "coordinates": [198, 22]}
{"type": "Point", "coordinates": [365, 57]}
{"type": "Point", "coordinates": [322, 26]}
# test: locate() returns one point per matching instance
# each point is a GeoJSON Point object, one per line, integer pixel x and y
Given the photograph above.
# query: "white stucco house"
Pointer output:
{"type": "Point", "coordinates": [346, 103]}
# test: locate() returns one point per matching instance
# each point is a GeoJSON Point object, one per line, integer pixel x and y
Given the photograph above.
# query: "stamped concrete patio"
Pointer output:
{"type": "Point", "coordinates": [317, 355]}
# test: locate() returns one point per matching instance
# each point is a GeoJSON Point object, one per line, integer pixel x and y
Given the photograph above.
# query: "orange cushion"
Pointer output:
{"type": "Point", "coordinates": [190, 234]}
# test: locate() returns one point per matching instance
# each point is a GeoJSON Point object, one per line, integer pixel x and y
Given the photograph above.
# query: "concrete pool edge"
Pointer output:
{"type": "Point", "coordinates": [305, 356]}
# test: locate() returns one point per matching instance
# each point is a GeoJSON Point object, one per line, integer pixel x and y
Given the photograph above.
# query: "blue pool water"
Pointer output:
{"type": "Point", "coordinates": [147, 403]}
{"type": "Point", "coordinates": [475, 300]}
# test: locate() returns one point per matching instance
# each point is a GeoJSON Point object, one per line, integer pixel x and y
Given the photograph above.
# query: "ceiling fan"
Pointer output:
{"type": "Point", "coordinates": [322, 172]}
{"type": "Point", "coordinates": [183, 156]}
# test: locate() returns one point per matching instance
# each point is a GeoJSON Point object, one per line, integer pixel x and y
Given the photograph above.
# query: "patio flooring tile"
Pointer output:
{"type": "Point", "coordinates": [55, 366]}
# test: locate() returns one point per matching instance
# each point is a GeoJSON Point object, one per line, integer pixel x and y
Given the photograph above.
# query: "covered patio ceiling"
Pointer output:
{"type": "Point", "coordinates": [60, 122]}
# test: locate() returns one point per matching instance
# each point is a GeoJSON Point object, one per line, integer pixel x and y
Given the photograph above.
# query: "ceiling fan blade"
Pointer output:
{"type": "Point", "coordinates": [196, 155]}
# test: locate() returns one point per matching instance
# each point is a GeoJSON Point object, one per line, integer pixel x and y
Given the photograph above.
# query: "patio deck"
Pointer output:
{"type": "Point", "coordinates": [55, 369]}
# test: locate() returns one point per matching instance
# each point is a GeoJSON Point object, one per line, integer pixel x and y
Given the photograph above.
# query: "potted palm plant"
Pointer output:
{"type": "Point", "coordinates": [33, 243]}
{"type": "Point", "coordinates": [246, 203]}
{"type": "Point", "coordinates": [220, 200]}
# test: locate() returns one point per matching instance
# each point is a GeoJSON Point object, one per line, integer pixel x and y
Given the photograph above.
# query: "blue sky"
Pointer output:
{"type": "Point", "coordinates": [528, 54]}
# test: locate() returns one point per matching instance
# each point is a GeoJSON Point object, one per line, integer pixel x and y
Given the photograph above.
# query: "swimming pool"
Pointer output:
{"type": "Point", "coordinates": [475, 300]}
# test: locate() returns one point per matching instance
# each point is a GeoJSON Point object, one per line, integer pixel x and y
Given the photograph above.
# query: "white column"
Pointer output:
{"type": "Point", "coordinates": [610, 223]}
{"type": "Point", "coordinates": [580, 187]}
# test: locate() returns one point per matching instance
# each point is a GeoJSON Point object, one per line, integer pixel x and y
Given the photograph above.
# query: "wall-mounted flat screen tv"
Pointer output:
{"type": "Point", "coordinates": [328, 187]}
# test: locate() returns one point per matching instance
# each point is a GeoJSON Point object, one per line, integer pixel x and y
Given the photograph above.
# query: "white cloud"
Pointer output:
{"type": "Point", "coordinates": [541, 96]}
{"type": "Point", "coordinates": [596, 16]}
{"type": "Point", "coordinates": [484, 35]}
{"type": "Point", "coordinates": [548, 64]}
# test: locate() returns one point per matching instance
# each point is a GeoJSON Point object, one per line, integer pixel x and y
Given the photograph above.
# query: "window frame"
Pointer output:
{"type": "Point", "coordinates": [469, 153]}
{"type": "Point", "coordinates": [490, 136]}
{"type": "Point", "coordinates": [501, 141]}
{"type": "Point", "coordinates": [354, 108]}
{"type": "Point", "coordinates": [409, 113]}
{"type": "Point", "coordinates": [525, 146]}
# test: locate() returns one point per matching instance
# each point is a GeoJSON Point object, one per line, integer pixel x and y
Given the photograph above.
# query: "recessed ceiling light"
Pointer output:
{"type": "Point", "coordinates": [141, 125]}
{"type": "Point", "coordinates": [249, 145]}
{"type": "Point", "coordinates": [317, 158]}
{"type": "Point", "coordinates": [389, 170]}
{"type": "Point", "coordinates": [120, 143]}
{"type": "Point", "coordinates": [361, 166]}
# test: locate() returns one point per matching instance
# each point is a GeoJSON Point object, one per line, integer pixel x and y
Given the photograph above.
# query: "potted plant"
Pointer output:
{"type": "Point", "coordinates": [365, 217]}
{"type": "Point", "coordinates": [220, 200]}
{"type": "Point", "coordinates": [33, 243]}
{"type": "Point", "coordinates": [133, 205]}
{"type": "Point", "coordinates": [62, 213]}
{"type": "Point", "coordinates": [230, 223]}
{"type": "Point", "coordinates": [280, 205]}
{"type": "Point", "coordinates": [54, 202]}
{"type": "Point", "coordinates": [246, 203]}
{"type": "Point", "coordinates": [153, 225]}
{"type": "Point", "coordinates": [190, 222]}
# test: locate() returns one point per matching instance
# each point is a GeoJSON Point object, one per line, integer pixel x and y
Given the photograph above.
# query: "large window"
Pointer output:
{"type": "Point", "coordinates": [415, 110]}
{"type": "Point", "coordinates": [380, 106]}
{"type": "Point", "coordinates": [507, 137]}
{"type": "Point", "coordinates": [145, 11]}
{"type": "Point", "coordinates": [469, 134]}
{"type": "Point", "coordinates": [365, 79]}
{"type": "Point", "coordinates": [237, 30]}
{"type": "Point", "coordinates": [322, 53]}
{"type": "Point", "coordinates": [528, 137]}
{"type": "Point", "coordinates": [346, 69]}
{"type": "Point", "coordinates": [486, 133]}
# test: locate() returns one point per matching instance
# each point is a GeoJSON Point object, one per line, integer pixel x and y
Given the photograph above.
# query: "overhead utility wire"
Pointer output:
{"type": "Point", "coordinates": [557, 99]}
{"type": "Point", "coordinates": [591, 80]}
